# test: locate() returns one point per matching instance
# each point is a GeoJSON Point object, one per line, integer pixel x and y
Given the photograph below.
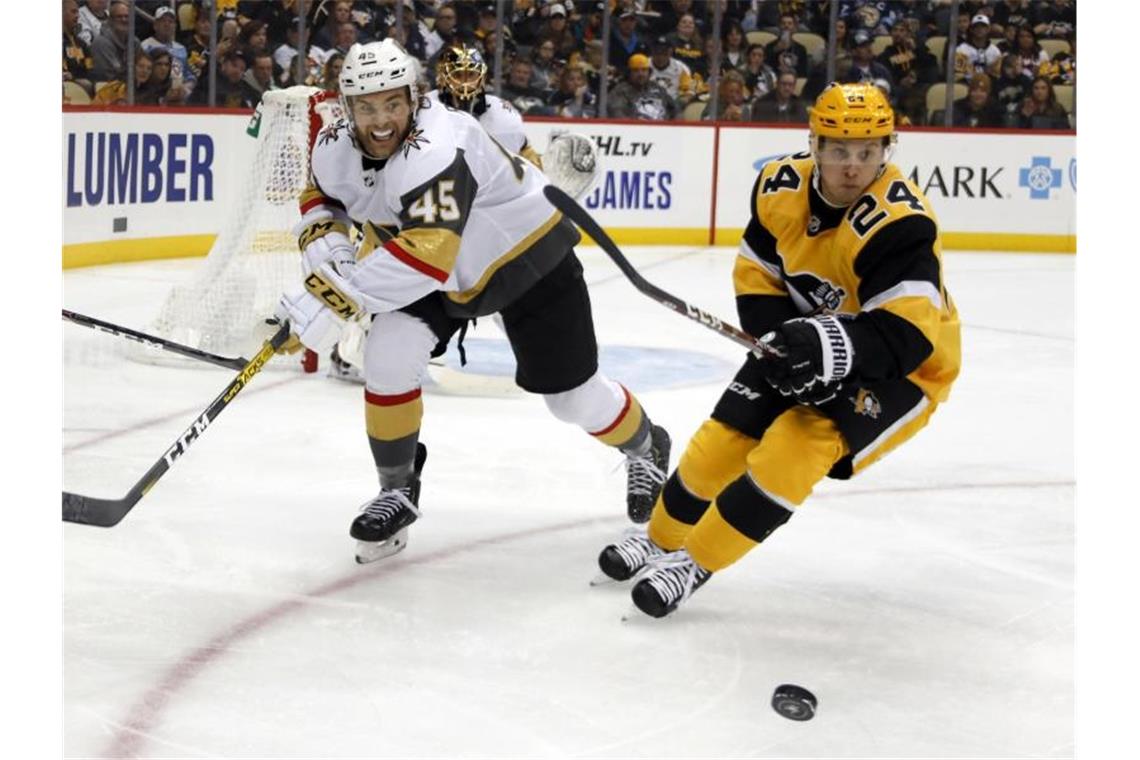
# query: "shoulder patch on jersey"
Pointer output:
{"type": "Point", "coordinates": [331, 133]}
{"type": "Point", "coordinates": [415, 140]}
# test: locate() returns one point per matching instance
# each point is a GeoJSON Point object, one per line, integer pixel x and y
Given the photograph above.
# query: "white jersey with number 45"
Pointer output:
{"type": "Point", "coordinates": [451, 210]}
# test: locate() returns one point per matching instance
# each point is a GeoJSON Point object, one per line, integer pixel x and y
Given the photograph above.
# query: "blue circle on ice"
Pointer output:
{"type": "Point", "coordinates": [639, 367]}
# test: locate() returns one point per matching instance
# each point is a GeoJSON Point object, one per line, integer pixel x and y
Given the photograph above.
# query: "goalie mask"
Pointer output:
{"type": "Point", "coordinates": [461, 74]}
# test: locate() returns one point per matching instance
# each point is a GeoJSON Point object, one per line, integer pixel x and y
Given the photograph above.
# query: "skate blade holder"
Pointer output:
{"type": "Point", "coordinates": [370, 551]}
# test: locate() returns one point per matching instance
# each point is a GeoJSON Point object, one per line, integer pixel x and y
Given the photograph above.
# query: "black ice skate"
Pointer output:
{"type": "Point", "coordinates": [626, 558]}
{"type": "Point", "coordinates": [381, 529]}
{"type": "Point", "coordinates": [645, 475]}
{"type": "Point", "coordinates": [669, 580]}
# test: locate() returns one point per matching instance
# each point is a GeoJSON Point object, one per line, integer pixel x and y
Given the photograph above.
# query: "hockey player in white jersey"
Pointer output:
{"type": "Point", "coordinates": [456, 227]}
{"type": "Point", "coordinates": [461, 78]}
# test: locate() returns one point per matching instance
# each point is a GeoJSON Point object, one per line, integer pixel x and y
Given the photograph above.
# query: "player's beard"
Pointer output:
{"type": "Point", "coordinates": [382, 149]}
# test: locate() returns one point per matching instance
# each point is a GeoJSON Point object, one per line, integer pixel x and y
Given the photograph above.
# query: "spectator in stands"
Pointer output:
{"type": "Point", "coordinates": [1055, 20]}
{"type": "Point", "coordinates": [232, 91]}
{"type": "Point", "coordinates": [77, 61]}
{"type": "Point", "coordinates": [1040, 110]}
{"type": "Point", "coordinates": [767, 16]}
{"type": "Point", "coordinates": [1061, 70]}
{"type": "Point", "coordinates": [784, 52]}
{"type": "Point", "coordinates": [733, 49]}
{"type": "Point", "coordinates": [556, 28]}
{"type": "Point", "coordinates": [842, 47]}
{"type": "Point", "coordinates": [759, 77]}
{"type": "Point", "coordinates": [443, 33]}
{"type": "Point", "coordinates": [640, 98]}
{"type": "Point", "coordinates": [864, 67]}
{"type": "Point", "coordinates": [671, 73]}
{"type": "Point", "coordinates": [414, 40]}
{"type": "Point", "coordinates": [1032, 56]}
{"type": "Point", "coordinates": [109, 52]}
{"type": "Point", "coordinates": [1011, 14]}
{"type": "Point", "coordinates": [330, 74]}
{"type": "Point", "coordinates": [544, 69]}
{"type": "Point", "coordinates": [253, 39]}
{"type": "Point", "coordinates": [782, 105]}
{"type": "Point", "coordinates": [275, 14]}
{"type": "Point", "coordinates": [731, 104]}
{"type": "Point", "coordinates": [670, 15]}
{"type": "Point", "coordinates": [92, 16]}
{"type": "Point", "coordinates": [689, 46]}
{"type": "Point", "coordinates": [573, 99]}
{"type": "Point", "coordinates": [625, 41]}
{"type": "Point", "coordinates": [876, 17]}
{"type": "Point", "coordinates": [519, 90]}
{"type": "Point", "coordinates": [913, 69]}
{"type": "Point", "coordinates": [593, 67]}
{"type": "Point", "coordinates": [197, 45]}
{"type": "Point", "coordinates": [165, 23]}
{"type": "Point", "coordinates": [485, 27]}
{"type": "Point", "coordinates": [977, 54]}
{"type": "Point", "coordinates": [285, 55]}
{"type": "Point", "coordinates": [339, 12]}
{"type": "Point", "coordinates": [1010, 89]}
{"type": "Point", "coordinates": [259, 75]}
{"type": "Point", "coordinates": [115, 91]}
{"type": "Point", "coordinates": [346, 35]}
{"type": "Point", "coordinates": [979, 108]}
{"type": "Point", "coordinates": [164, 87]}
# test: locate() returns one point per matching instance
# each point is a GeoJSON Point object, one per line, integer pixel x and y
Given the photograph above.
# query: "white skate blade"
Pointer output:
{"type": "Point", "coordinates": [370, 551]}
{"type": "Point", "coordinates": [601, 579]}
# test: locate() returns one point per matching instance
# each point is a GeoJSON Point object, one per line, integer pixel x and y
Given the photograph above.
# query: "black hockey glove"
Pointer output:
{"type": "Point", "coordinates": [809, 358]}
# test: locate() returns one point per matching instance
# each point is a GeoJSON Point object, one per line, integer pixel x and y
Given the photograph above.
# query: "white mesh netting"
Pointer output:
{"type": "Point", "coordinates": [223, 307]}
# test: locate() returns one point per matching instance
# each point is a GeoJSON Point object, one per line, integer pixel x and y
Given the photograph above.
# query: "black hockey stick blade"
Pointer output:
{"type": "Point", "coordinates": [582, 218]}
{"type": "Point", "coordinates": [106, 513]}
{"type": "Point", "coordinates": [154, 341]}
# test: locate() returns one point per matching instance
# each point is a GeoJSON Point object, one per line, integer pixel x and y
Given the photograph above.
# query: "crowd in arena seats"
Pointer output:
{"type": "Point", "coordinates": [1014, 65]}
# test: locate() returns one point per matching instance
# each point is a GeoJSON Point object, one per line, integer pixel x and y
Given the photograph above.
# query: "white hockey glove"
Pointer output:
{"type": "Point", "coordinates": [310, 321]}
{"type": "Point", "coordinates": [810, 357]}
{"type": "Point", "coordinates": [323, 241]}
{"type": "Point", "coordinates": [570, 163]}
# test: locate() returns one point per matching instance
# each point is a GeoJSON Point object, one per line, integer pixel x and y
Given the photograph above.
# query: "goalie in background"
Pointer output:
{"type": "Point", "coordinates": [840, 272]}
{"type": "Point", "coordinates": [456, 227]}
{"type": "Point", "coordinates": [570, 162]}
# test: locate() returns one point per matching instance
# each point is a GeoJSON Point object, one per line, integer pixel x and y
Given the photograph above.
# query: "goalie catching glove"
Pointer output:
{"type": "Point", "coordinates": [570, 163]}
{"type": "Point", "coordinates": [318, 312]}
{"type": "Point", "coordinates": [808, 358]}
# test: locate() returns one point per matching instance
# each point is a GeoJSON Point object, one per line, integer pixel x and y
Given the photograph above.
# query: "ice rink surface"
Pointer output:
{"type": "Point", "coordinates": [927, 603]}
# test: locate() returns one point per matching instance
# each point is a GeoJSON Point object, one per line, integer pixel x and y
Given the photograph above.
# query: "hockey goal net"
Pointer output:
{"type": "Point", "coordinates": [222, 308]}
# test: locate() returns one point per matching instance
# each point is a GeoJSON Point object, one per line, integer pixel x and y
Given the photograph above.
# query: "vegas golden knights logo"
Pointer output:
{"type": "Point", "coordinates": [867, 404]}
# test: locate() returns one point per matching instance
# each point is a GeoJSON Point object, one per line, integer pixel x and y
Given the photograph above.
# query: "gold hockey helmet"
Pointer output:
{"type": "Point", "coordinates": [461, 72]}
{"type": "Point", "coordinates": [852, 111]}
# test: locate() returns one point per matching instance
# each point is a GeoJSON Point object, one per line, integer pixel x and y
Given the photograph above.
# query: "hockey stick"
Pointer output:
{"type": "Point", "coordinates": [582, 218]}
{"type": "Point", "coordinates": [106, 513]}
{"type": "Point", "coordinates": [154, 341]}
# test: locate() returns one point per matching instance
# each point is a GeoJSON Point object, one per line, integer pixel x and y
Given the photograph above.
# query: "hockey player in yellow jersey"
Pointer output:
{"type": "Point", "coordinates": [455, 227]}
{"type": "Point", "coordinates": [840, 275]}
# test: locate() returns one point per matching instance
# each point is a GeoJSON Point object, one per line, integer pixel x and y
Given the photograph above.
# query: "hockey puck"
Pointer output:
{"type": "Point", "coordinates": [794, 702]}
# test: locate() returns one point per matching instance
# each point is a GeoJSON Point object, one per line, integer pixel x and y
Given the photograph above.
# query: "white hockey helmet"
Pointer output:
{"type": "Point", "coordinates": [378, 67]}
